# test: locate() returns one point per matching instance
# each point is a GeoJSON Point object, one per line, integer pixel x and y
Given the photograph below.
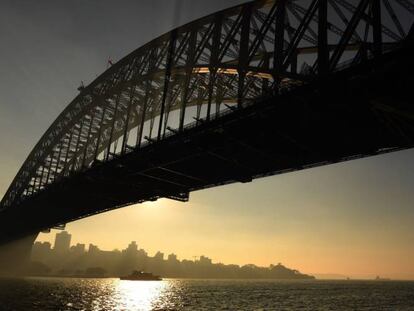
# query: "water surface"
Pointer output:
{"type": "Point", "coordinates": [113, 294]}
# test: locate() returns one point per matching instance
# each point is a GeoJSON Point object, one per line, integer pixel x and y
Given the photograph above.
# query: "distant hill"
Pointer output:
{"type": "Point", "coordinates": [281, 272]}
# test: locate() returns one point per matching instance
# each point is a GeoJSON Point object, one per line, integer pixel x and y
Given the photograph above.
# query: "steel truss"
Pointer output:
{"type": "Point", "coordinates": [190, 75]}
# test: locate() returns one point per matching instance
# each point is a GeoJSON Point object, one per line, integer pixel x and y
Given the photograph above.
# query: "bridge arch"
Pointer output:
{"type": "Point", "coordinates": [219, 63]}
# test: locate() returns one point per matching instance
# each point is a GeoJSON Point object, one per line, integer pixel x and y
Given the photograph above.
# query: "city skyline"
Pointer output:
{"type": "Point", "coordinates": [62, 243]}
{"type": "Point", "coordinates": [352, 218]}
{"type": "Point", "coordinates": [77, 261]}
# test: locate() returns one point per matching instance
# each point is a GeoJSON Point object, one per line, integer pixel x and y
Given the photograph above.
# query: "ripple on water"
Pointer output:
{"type": "Point", "coordinates": [112, 294]}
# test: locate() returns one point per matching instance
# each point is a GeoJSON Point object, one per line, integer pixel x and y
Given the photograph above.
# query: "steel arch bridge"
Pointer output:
{"type": "Point", "coordinates": [221, 67]}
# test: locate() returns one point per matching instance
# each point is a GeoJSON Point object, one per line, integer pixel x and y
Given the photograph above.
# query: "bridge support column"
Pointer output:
{"type": "Point", "coordinates": [14, 256]}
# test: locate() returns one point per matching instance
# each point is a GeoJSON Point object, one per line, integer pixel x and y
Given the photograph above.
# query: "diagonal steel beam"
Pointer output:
{"type": "Point", "coordinates": [353, 23]}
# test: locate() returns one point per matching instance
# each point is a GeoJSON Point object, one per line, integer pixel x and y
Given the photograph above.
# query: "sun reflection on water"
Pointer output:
{"type": "Point", "coordinates": [139, 295]}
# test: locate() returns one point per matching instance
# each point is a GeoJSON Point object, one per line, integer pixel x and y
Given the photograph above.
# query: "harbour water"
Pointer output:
{"type": "Point", "coordinates": [172, 294]}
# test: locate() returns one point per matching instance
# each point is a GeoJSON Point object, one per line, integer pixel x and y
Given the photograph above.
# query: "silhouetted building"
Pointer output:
{"type": "Point", "coordinates": [78, 249]}
{"type": "Point", "coordinates": [159, 256]}
{"type": "Point", "coordinates": [41, 247]}
{"type": "Point", "coordinates": [205, 261]}
{"type": "Point", "coordinates": [93, 249]}
{"type": "Point", "coordinates": [41, 251]}
{"type": "Point", "coordinates": [132, 247]}
{"type": "Point", "coordinates": [62, 242]}
{"type": "Point", "coordinates": [172, 258]}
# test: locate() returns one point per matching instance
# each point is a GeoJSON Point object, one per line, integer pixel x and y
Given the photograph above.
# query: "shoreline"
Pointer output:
{"type": "Point", "coordinates": [217, 279]}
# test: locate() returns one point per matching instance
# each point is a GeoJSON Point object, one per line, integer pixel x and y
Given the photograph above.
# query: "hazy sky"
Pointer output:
{"type": "Point", "coordinates": [354, 218]}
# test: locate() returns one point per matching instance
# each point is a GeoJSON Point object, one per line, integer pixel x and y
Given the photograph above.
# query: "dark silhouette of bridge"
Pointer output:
{"type": "Point", "coordinates": [263, 88]}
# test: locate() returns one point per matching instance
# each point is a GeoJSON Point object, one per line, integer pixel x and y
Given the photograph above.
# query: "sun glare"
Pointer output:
{"type": "Point", "coordinates": [133, 295]}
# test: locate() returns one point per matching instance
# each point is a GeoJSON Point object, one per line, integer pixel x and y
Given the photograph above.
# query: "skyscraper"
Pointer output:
{"type": "Point", "coordinates": [62, 242]}
{"type": "Point", "coordinates": [78, 249]}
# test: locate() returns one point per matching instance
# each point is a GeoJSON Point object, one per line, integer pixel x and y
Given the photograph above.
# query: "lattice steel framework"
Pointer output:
{"type": "Point", "coordinates": [224, 61]}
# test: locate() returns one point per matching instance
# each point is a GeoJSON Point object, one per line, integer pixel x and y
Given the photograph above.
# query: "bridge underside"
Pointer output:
{"type": "Point", "coordinates": [359, 112]}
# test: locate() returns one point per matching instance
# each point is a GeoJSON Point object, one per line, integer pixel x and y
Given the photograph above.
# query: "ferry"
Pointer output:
{"type": "Point", "coordinates": [141, 276]}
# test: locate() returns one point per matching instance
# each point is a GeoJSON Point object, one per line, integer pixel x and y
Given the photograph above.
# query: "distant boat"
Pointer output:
{"type": "Point", "coordinates": [378, 278]}
{"type": "Point", "coordinates": [141, 276]}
